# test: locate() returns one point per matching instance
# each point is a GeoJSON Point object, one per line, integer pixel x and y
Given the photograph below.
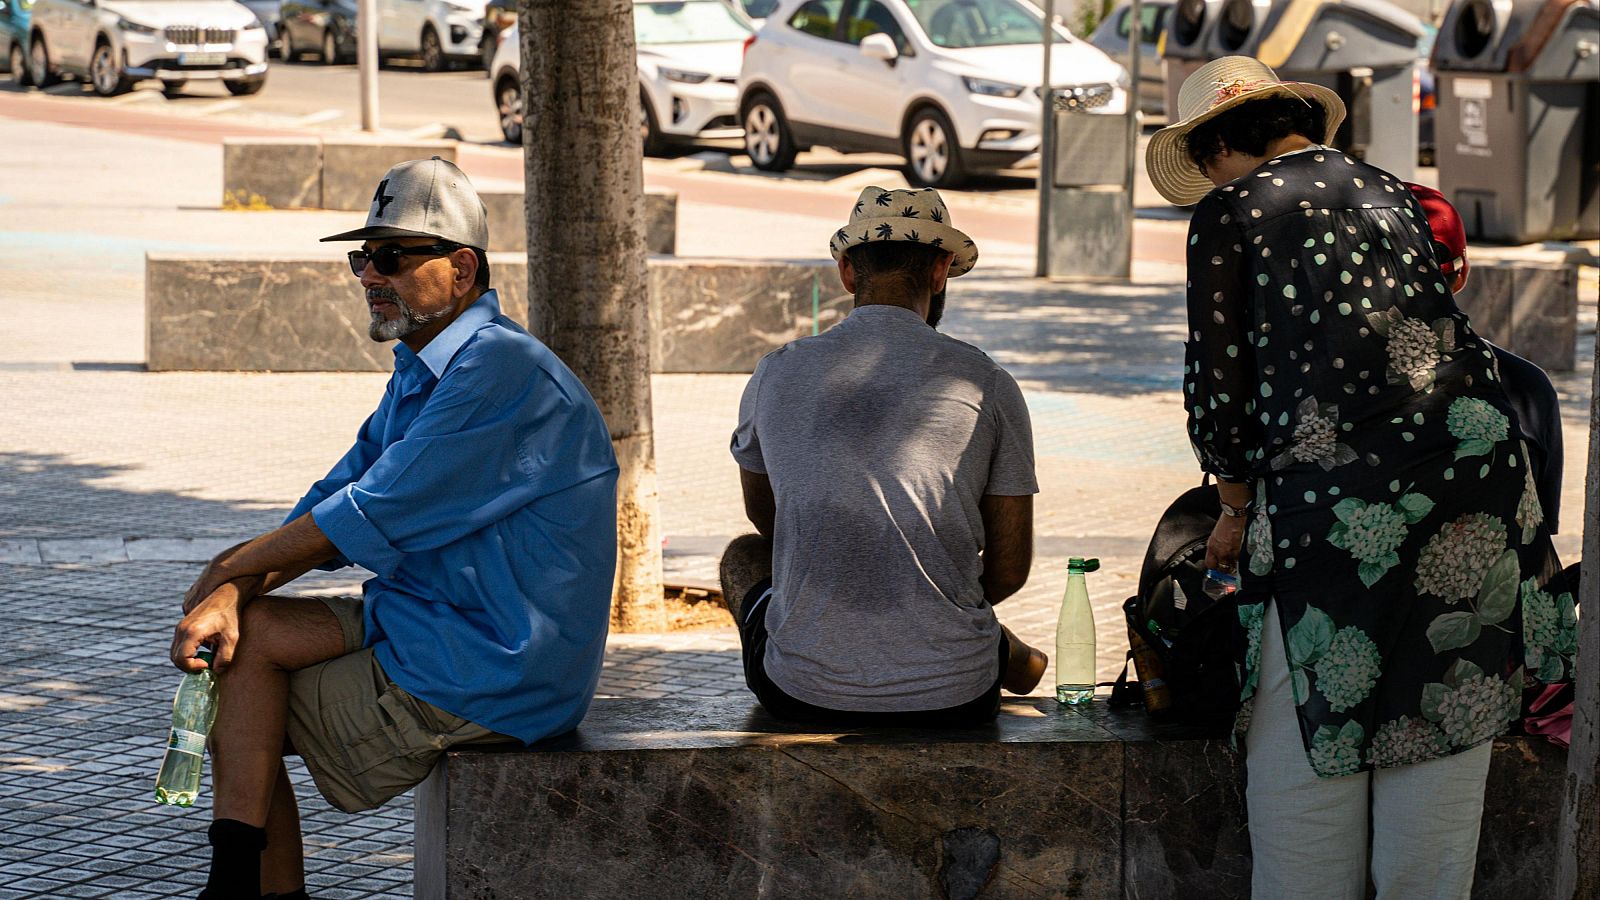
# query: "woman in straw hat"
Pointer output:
{"type": "Point", "coordinates": [1374, 493]}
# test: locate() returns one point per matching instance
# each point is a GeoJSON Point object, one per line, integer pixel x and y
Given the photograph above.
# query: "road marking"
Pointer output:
{"type": "Point", "coordinates": [134, 97]}
{"type": "Point", "coordinates": [325, 115]}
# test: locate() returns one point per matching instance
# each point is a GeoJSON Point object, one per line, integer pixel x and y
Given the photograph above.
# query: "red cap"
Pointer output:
{"type": "Point", "coordinates": [1446, 225]}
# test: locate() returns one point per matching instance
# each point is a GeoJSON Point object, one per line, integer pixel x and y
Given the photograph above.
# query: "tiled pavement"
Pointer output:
{"type": "Point", "coordinates": [114, 483]}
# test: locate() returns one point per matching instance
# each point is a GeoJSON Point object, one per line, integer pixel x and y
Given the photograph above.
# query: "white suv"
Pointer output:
{"type": "Point", "coordinates": [114, 43]}
{"type": "Point", "coordinates": [438, 32]}
{"type": "Point", "coordinates": [952, 85]}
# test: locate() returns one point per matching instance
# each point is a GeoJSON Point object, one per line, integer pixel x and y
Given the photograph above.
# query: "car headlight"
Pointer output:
{"type": "Point", "coordinates": [134, 27]}
{"type": "Point", "coordinates": [991, 88]}
{"type": "Point", "coordinates": [684, 76]}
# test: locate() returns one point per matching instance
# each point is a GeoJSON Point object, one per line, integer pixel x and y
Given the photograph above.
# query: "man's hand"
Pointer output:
{"type": "Point", "coordinates": [210, 579]}
{"type": "Point", "coordinates": [214, 621]}
{"type": "Point", "coordinates": [1222, 549]}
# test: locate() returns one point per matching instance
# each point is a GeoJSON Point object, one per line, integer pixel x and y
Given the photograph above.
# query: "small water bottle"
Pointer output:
{"type": "Point", "coordinates": [1075, 649]}
{"type": "Point", "coordinates": [194, 708]}
{"type": "Point", "coordinates": [1219, 584]}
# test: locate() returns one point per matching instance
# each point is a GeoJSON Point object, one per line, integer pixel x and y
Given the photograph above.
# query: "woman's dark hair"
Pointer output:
{"type": "Point", "coordinates": [907, 262]}
{"type": "Point", "coordinates": [1250, 127]}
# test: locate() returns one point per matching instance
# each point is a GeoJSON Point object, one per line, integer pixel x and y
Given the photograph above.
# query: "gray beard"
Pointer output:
{"type": "Point", "coordinates": [407, 322]}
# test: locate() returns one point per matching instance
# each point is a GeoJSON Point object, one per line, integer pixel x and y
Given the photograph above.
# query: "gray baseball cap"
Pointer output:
{"type": "Point", "coordinates": [424, 198]}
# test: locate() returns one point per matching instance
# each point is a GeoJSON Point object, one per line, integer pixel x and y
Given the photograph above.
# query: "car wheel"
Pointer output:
{"type": "Point", "coordinates": [20, 76]}
{"type": "Point", "coordinates": [105, 73]}
{"type": "Point", "coordinates": [490, 45]}
{"type": "Point", "coordinates": [766, 135]}
{"type": "Point", "coordinates": [655, 143]}
{"type": "Point", "coordinates": [287, 51]}
{"type": "Point", "coordinates": [39, 63]}
{"type": "Point", "coordinates": [330, 48]}
{"type": "Point", "coordinates": [172, 89]}
{"type": "Point", "coordinates": [933, 158]}
{"type": "Point", "coordinates": [508, 100]}
{"type": "Point", "coordinates": [245, 87]}
{"type": "Point", "coordinates": [432, 52]}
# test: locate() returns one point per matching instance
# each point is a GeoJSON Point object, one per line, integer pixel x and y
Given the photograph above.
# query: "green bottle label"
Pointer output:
{"type": "Point", "coordinates": [184, 741]}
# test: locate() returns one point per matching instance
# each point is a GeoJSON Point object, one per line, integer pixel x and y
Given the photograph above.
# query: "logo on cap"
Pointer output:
{"type": "Point", "coordinates": [382, 199]}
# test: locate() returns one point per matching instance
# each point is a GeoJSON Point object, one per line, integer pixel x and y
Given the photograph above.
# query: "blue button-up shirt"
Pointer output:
{"type": "Point", "coordinates": [483, 494]}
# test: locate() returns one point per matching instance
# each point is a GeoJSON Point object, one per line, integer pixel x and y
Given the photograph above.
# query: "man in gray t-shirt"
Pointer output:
{"type": "Point", "coordinates": [889, 471]}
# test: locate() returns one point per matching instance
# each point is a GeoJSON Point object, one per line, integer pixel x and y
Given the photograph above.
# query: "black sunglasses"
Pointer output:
{"type": "Point", "coordinates": [387, 259]}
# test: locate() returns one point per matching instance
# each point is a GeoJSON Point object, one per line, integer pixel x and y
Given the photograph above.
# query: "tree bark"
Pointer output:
{"type": "Point", "coordinates": [1578, 868]}
{"type": "Point", "coordinates": [587, 281]}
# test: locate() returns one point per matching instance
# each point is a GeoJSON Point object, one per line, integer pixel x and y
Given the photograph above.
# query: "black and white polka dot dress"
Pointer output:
{"type": "Point", "coordinates": [1395, 517]}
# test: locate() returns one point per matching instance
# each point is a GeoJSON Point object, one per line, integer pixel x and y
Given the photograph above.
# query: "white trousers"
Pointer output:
{"type": "Point", "coordinates": [1310, 836]}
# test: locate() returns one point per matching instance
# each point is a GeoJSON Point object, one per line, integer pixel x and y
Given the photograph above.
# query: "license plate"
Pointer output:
{"type": "Point", "coordinates": [202, 59]}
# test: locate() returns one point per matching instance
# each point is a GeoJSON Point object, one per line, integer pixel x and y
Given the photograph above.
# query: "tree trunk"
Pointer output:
{"type": "Point", "coordinates": [1578, 865]}
{"type": "Point", "coordinates": [586, 262]}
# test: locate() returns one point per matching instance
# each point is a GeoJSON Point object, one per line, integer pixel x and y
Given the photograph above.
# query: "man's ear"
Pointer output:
{"type": "Point", "coordinates": [847, 274]}
{"type": "Point", "coordinates": [465, 263]}
{"type": "Point", "coordinates": [941, 271]}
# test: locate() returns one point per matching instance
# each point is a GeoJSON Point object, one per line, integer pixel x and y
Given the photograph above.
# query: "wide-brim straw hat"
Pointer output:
{"type": "Point", "coordinates": [1215, 88]}
{"type": "Point", "coordinates": [919, 216]}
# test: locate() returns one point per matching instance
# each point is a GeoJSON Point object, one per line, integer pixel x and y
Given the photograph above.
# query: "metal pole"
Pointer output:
{"type": "Point", "coordinates": [1047, 140]}
{"type": "Point", "coordinates": [1135, 46]}
{"type": "Point", "coordinates": [367, 57]}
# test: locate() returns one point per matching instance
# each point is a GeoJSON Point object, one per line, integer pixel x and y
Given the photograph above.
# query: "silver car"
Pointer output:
{"type": "Point", "coordinates": [1112, 37]}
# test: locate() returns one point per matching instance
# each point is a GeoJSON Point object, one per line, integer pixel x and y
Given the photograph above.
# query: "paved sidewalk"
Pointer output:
{"type": "Point", "coordinates": [116, 483]}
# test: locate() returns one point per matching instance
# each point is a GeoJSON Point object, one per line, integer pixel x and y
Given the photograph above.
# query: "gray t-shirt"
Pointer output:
{"type": "Point", "coordinates": [880, 436]}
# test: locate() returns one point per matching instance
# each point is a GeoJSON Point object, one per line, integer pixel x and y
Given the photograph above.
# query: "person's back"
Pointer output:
{"type": "Point", "coordinates": [889, 471]}
{"type": "Point", "coordinates": [880, 438]}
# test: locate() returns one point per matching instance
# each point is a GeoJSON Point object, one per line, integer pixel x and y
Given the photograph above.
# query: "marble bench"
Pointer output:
{"type": "Point", "coordinates": [314, 172]}
{"type": "Point", "coordinates": [1529, 307]}
{"type": "Point", "coordinates": [210, 312]}
{"type": "Point", "coordinates": [713, 798]}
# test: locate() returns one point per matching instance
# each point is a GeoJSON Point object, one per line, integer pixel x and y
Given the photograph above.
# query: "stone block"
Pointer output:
{"type": "Point", "coordinates": [508, 226]}
{"type": "Point", "coordinates": [723, 315]}
{"type": "Point", "coordinates": [715, 798]}
{"type": "Point", "coordinates": [352, 167]}
{"type": "Point", "coordinates": [1528, 307]}
{"type": "Point", "coordinates": [283, 314]}
{"type": "Point", "coordinates": [295, 314]}
{"type": "Point", "coordinates": [281, 173]}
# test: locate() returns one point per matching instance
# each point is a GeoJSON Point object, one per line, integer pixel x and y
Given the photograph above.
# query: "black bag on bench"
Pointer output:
{"type": "Point", "coordinates": [1196, 641]}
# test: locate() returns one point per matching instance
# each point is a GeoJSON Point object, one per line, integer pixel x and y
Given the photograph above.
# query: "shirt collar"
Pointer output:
{"type": "Point", "coordinates": [439, 351]}
{"type": "Point", "coordinates": [886, 311]}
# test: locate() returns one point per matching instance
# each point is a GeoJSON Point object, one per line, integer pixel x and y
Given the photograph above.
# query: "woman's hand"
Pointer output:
{"type": "Point", "coordinates": [1222, 548]}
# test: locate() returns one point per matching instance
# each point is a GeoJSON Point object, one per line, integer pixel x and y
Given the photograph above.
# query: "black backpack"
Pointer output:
{"type": "Point", "coordinates": [1196, 640]}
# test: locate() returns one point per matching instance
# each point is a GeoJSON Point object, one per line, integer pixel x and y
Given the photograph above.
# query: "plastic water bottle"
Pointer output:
{"type": "Point", "coordinates": [193, 710]}
{"type": "Point", "coordinates": [1075, 656]}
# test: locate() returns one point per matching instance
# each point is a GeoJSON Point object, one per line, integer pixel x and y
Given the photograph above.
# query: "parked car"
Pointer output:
{"type": "Point", "coordinates": [14, 15]}
{"type": "Point", "coordinates": [1112, 38]}
{"type": "Point", "coordinates": [755, 10]}
{"type": "Point", "coordinates": [498, 16]}
{"type": "Point", "coordinates": [325, 28]}
{"type": "Point", "coordinates": [115, 43]}
{"type": "Point", "coordinates": [441, 33]}
{"type": "Point", "coordinates": [688, 63]}
{"type": "Point", "coordinates": [267, 13]}
{"type": "Point", "coordinates": [952, 85]}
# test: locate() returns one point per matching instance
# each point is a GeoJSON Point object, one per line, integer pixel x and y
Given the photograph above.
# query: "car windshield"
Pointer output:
{"type": "Point", "coordinates": [690, 22]}
{"type": "Point", "coordinates": [959, 24]}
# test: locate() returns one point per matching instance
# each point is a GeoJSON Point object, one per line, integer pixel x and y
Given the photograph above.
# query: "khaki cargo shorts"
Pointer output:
{"type": "Point", "coordinates": [364, 739]}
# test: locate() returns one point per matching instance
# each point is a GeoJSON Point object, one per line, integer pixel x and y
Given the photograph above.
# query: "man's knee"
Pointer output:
{"type": "Point", "coordinates": [289, 632]}
{"type": "Point", "coordinates": [746, 561]}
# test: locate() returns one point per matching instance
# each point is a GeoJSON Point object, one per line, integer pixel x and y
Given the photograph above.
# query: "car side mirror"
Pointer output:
{"type": "Point", "coordinates": [880, 47]}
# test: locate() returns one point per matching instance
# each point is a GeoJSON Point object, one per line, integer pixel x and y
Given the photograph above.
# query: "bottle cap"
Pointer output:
{"type": "Point", "coordinates": [205, 654]}
{"type": "Point", "coordinates": [1079, 564]}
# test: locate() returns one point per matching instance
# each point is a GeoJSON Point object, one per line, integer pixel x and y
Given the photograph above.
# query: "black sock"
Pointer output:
{"type": "Point", "coordinates": [235, 861]}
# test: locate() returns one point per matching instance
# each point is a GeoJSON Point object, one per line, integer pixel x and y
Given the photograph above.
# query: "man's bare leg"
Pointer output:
{"type": "Point", "coordinates": [277, 636]}
{"type": "Point", "coordinates": [746, 561]}
{"type": "Point", "coordinates": [283, 865]}
{"type": "Point", "coordinates": [1024, 667]}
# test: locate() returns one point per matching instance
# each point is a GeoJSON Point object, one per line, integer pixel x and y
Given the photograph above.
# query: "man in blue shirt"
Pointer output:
{"type": "Point", "coordinates": [481, 493]}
